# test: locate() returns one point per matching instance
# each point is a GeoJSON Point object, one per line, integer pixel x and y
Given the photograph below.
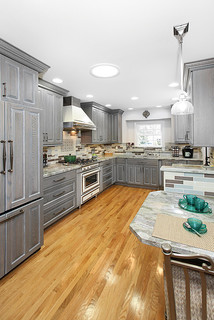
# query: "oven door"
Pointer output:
{"type": "Point", "coordinates": [90, 180]}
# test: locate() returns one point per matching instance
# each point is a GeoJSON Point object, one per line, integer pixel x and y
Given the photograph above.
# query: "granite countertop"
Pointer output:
{"type": "Point", "coordinates": [166, 203]}
{"type": "Point", "coordinates": [188, 168]}
{"type": "Point", "coordinates": [53, 169]}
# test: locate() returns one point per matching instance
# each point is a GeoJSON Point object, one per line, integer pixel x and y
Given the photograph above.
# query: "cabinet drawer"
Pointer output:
{"type": "Point", "coordinates": [107, 183]}
{"type": "Point", "coordinates": [56, 193]}
{"type": "Point", "coordinates": [107, 177]}
{"type": "Point", "coordinates": [59, 178]}
{"type": "Point", "coordinates": [121, 161]}
{"type": "Point", "coordinates": [135, 161]}
{"type": "Point", "coordinates": [152, 163]}
{"type": "Point", "coordinates": [57, 211]}
{"type": "Point", "coordinates": [107, 162]}
{"type": "Point", "coordinates": [107, 170]}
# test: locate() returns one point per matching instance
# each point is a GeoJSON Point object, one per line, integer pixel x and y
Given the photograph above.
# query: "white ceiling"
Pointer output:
{"type": "Point", "coordinates": [136, 35]}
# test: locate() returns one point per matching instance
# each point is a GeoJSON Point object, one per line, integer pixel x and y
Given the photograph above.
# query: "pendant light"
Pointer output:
{"type": "Point", "coordinates": [182, 107]}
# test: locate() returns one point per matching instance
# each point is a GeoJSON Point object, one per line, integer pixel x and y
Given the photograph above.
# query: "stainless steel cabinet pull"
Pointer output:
{"type": "Point", "coordinates": [4, 157]}
{"type": "Point", "coordinates": [5, 90]}
{"type": "Point", "coordinates": [21, 211]}
{"type": "Point", "coordinates": [11, 155]}
{"type": "Point", "coordinates": [59, 179]}
{"type": "Point", "coordinates": [59, 194]}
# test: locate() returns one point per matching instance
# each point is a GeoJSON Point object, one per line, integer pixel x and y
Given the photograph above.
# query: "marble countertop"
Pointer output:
{"type": "Point", "coordinates": [166, 203]}
{"type": "Point", "coordinates": [188, 168]}
{"type": "Point", "coordinates": [53, 169]}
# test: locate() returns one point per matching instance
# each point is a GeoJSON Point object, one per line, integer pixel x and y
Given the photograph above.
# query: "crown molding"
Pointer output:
{"type": "Point", "coordinates": [52, 87]}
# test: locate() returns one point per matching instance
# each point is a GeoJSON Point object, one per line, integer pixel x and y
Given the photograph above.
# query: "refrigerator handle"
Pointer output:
{"type": "Point", "coordinates": [4, 157]}
{"type": "Point", "coordinates": [11, 155]}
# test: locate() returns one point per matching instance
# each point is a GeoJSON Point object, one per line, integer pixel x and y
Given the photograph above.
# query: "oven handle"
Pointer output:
{"type": "Point", "coordinates": [85, 174]}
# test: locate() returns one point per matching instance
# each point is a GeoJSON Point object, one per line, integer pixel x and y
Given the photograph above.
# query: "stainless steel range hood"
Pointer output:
{"type": "Point", "coordinates": [74, 117]}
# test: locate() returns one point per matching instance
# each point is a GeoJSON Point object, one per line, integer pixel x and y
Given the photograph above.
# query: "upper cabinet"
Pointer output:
{"type": "Point", "coordinates": [108, 124]}
{"type": "Point", "coordinates": [50, 100]}
{"type": "Point", "coordinates": [18, 82]}
{"type": "Point", "coordinates": [183, 125]}
{"type": "Point", "coordinates": [199, 80]}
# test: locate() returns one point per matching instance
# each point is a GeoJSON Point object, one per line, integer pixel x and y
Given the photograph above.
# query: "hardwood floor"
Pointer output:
{"type": "Point", "coordinates": [91, 267]}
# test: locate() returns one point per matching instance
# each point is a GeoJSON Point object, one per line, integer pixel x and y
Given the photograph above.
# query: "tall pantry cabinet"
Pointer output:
{"type": "Point", "coordinates": [21, 203]}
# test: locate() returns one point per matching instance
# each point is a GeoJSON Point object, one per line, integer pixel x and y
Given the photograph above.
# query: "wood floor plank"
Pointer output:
{"type": "Point", "coordinates": [91, 267]}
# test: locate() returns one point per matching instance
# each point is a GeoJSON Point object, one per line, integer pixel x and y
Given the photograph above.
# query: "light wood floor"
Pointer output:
{"type": "Point", "coordinates": [91, 267]}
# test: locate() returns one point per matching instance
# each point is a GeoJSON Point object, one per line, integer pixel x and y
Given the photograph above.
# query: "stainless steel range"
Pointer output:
{"type": "Point", "coordinates": [88, 181]}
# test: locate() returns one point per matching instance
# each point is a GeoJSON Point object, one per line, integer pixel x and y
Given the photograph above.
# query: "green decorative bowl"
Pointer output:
{"type": "Point", "coordinates": [70, 159]}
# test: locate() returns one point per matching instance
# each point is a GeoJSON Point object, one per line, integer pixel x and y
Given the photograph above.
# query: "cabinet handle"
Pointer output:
{"type": "Point", "coordinates": [59, 179]}
{"type": "Point", "coordinates": [56, 214]}
{"type": "Point", "coordinates": [58, 195]}
{"type": "Point", "coordinates": [4, 157]}
{"type": "Point", "coordinates": [11, 155]}
{"type": "Point", "coordinates": [21, 211]}
{"type": "Point", "coordinates": [4, 89]}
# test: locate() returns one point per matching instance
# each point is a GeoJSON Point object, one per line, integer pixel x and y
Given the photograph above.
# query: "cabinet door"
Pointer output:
{"type": "Point", "coordinates": [95, 119]}
{"type": "Point", "coordinates": [16, 151]}
{"type": "Point", "coordinates": [105, 127]}
{"type": "Point", "coordinates": [121, 173]}
{"type": "Point", "coordinates": [24, 233]}
{"type": "Point", "coordinates": [131, 174]}
{"type": "Point", "coordinates": [33, 157]}
{"type": "Point", "coordinates": [16, 238]}
{"type": "Point", "coordinates": [101, 128]}
{"type": "Point", "coordinates": [109, 133]}
{"type": "Point", "coordinates": [151, 176]}
{"type": "Point", "coordinates": [48, 116]}
{"type": "Point", "coordinates": [115, 127]}
{"type": "Point", "coordinates": [2, 244]}
{"type": "Point", "coordinates": [29, 86]}
{"type": "Point", "coordinates": [2, 158]}
{"type": "Point", "coordinates": [58, 124]}
{"type": "Point", "coordinates": [183, 128]}
{"type": "Point", "coordinates": [138, 174]}
{"type": "Point", "coordinates": [11, 80]}
{"type": "Point", "coordinates": [203, 101]}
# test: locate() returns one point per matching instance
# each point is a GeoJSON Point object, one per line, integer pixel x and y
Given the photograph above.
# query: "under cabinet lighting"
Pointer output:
{"type": "Point", "coordinates": [57, 80]}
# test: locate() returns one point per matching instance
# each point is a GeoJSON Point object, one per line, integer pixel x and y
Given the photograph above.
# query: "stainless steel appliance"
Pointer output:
{"type": "Point", "coordinates": [175, 151]}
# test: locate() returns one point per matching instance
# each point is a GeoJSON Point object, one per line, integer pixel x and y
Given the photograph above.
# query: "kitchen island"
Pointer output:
{"type": "Point", "coordinates": [166, 203]}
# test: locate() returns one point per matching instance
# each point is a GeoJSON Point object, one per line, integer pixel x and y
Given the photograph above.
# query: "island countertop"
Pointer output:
{"type": "Point", "coordinates": [166, 203]}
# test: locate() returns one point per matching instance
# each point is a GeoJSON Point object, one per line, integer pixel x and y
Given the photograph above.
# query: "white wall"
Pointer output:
{"type": "Point", "coordinates": [162, 114]}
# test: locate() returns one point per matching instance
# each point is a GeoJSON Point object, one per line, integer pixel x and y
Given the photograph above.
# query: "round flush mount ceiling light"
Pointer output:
{"type": "Point", "coordinates": [104, 70]}
{"type": "Point", "coordinates": [108, 105]}
{"type": "Point", "coordinates": [89, 96]}
{"type": "Point", "coordinates": [57, 80]}
{"type": "Point", "coordinates": [134, 98]}
{"type": "Point", "coordinates": [173, 85]}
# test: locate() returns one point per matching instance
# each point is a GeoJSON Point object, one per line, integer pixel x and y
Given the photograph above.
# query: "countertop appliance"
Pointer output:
{"type": "Point", "coordinates": [175, 151]}
{"type": "Point", "coordinates": [187, 152]}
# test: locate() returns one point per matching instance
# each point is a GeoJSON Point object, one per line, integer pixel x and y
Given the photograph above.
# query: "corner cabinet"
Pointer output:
{"type": "Point", "coordinates": [108, 124]}
{"type": "Point", "coordinates": [199, 81]}
{"type": "Point", "coordinates": [52, 125]}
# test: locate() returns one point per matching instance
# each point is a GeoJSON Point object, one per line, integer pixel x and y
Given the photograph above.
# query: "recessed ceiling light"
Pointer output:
{"type": "Point", "coordinates": [108, 105]}
{"type": "Point", "coordinates": [158, 106]}
{"type": "Point", "coordinates": [89, 96]}
{"type": "Point", "coordinates": [174, 85]}
{"type": "Point", "coordinates": [175, 99]}
{"type": "Point", "coordinates": [57, 80]}
{"type": "Point", "coordinates": [134, 98]}
{"type": "Point", "coordinates": [130, 108]}
{"type": "Point", "coordinates": [104, 70]}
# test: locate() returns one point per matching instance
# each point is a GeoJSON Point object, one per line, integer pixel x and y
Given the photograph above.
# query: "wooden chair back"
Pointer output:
{"type": "Point", "coordinates": [189, 286]}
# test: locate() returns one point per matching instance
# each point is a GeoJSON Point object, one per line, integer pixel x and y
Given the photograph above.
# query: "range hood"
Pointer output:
{"type": "Point", "coordinates": [74, 117]}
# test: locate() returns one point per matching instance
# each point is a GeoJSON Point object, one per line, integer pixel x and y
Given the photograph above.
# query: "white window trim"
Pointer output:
{"type": "Point", "coordinates": [154, 122]}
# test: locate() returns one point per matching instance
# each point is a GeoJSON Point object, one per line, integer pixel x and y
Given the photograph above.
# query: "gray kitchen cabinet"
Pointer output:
{"type": "Point", "coordinates": [23, 139]}
{"type": "Point", "coordinates": [151, 177]}
{"type": "Point", "coordinates": [199, 80]}
{"type": "Point", "coordinates": [121, 170]}
{"type": "Point", "coordinates": [59, 196]}
{"type": "Point", "coordinates": [2, 155]}
{"type": "Point", "coordinates": [24, 233]}
{"type": "Point", "coordinates": [108, 124]}
{"type": "Point", "coordinates": [18, 82]}
{"type": "Point", "coordinates": [2, 244]}
{"type": "Point", "coordinates": [52, 126]}
{"type": "Point", "coordinates": [106, 174]}
{"type": "Point", "coordinates": [135, 172]}
{"type": "Point", "coordinates": [183, 128]}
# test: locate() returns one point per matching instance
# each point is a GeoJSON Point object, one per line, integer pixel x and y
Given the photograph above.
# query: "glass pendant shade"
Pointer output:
{"type": "Point", "coordinates": [182, 107]}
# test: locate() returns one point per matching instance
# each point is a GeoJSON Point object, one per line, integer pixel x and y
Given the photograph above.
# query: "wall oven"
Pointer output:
{"type": "Point", "coordinates": [90, 182]}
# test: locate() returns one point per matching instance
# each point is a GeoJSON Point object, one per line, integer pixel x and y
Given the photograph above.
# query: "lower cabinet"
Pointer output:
{"type": "Point", "coordinates": [151, 178]}
{"type": "Point", "coordinates": [135, 174]}
{"type": "Point", "coordinates": [2, 244]}
{"type": "Point", "coordinates": [23, 233]}
{"type": "Point", "coordinates": [59, 196]}
{"type": "Point", "coordinates": [121, 170]}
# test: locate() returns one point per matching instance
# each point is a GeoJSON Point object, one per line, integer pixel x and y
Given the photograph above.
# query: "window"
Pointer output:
{"type": "Point", "coordinates": [148, 135]}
